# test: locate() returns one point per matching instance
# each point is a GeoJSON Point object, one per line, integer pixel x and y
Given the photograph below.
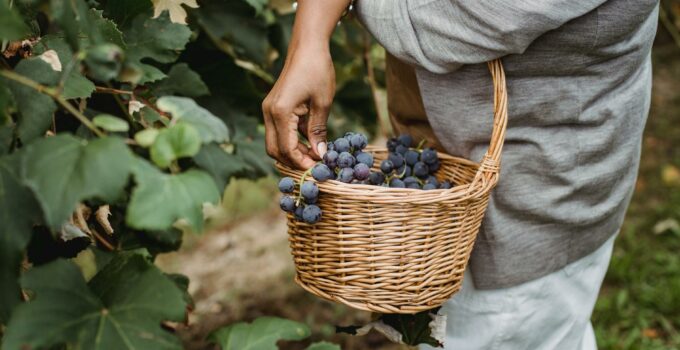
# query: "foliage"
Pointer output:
{"type": "Point", "coordinates": [119, 121]}
{"type": "Point", "coordinates": [263, 334]}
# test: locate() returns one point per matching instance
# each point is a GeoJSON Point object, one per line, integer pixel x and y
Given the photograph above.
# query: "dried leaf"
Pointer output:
{"type": "Point", "coordinates": [134, 106]}
{"type": "Point", "coordinates": [102, 216]}
{"type": "Point", "coordinates": [51, 57]}
{"type": "Point", "coordinates": [174, 7]}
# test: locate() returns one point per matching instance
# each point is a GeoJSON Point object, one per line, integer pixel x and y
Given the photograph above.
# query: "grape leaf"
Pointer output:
{"type": "Point", "coordinates": [174, 7]}
{"type": "Point", "coordinates": [11, 25]}
{"type": "Point", "coordinates": [179, 140]}
{"type": "Point", "coordinates": [159, 199]}
{"type": "Point", "coordinates": [122, 307]}
{"type": "Point", "coordinates": [234, 28]}
{"type": "Point", "coordinates": [258, 5]}
{"type": "Point", "coordinates": [221, 165]}
{"type": "Point", "coordinates": [74, 18]}
{"type": "Point", "coordinates": [18, 212]}
{"type": "Point", "coordinates": [155, 39]}
{"type": "Point", "coordinates": [123, 11]}
{"type": "Point", "coordinates": [262, 334]}
{"type": "Point", "coordinates": [35, 109]}
{"type": "Point", "coordinates": [111, 123]}
{"type": "Point", "coordinates": [75, 85]}
{"type": "Point", "coordinates": [63, 170]}
{"type": "Point", "coordinates": [324, 346]}
{"type": "Point", "coordinates": [185, 110]}
{"type": "Point", "coordinates": [181, 80]}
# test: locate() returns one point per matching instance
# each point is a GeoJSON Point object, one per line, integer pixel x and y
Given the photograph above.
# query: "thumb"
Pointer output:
{"type": "Point", "coordinates": [316, 127]}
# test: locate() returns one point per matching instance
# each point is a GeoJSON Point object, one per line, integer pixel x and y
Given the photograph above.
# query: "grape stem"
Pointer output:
{"type": "Point", "coordinates": [421, 144]}
{"type": "Point", "coordinates": [302, 180]}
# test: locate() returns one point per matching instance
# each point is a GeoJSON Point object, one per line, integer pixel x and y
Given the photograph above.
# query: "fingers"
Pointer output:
{"type": "Point", "coordinates": [290, 150]}
{"type": "Point", "coordinates": [270, 139]}
{"type": "Point", "coordinates": [316, 126]}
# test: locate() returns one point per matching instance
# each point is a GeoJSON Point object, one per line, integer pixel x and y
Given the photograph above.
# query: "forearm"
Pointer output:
{"type": "Point", "coordinates": [315, 21]}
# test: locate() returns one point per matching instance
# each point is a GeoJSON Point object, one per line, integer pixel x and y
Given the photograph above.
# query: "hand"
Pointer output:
{"type": "Point", "coordinates": [300, 101]}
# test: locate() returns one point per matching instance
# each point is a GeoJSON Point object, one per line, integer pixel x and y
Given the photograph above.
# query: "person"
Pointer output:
{"type": "Point", "coordinates": [579, 88]}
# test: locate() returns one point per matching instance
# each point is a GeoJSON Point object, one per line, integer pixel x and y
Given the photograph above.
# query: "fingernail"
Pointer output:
{"type": "Point", "coordinates": [321, 148]}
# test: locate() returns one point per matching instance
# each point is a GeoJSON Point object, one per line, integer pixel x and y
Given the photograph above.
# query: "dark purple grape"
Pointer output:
{"type": "Point", "coordinates": [311, 214]}
{"type": "Point", "coordinates": [404, 171]}
{"type": "Point", "coordinates": [392, 144]}
{"type": "Point", "coordinates": [341, 145]}
{"type": "Point", "coordinates": [429, 156]}
{"type": "Point", "coordinates": [348, 135]}
{"type": "Point", "coordinates": [310, 192]}
{"type": "Point", "coordinates": [401, 149]}
{"type": "Point", "coordinates": [364, 158]}
{"type": "Point", "coordinates": [421, 170]}
{"type": "Point", "coordinates": [411, 157]}
{"type": "Point", "coordinates": [346, 160]}
{"type": "Point", "coordinates": [321, 173]}
{"type": "Point", "coordinates": [396, 183]}
{"type": "Point", "coordinates": [330, 146]}
{"type": "Point", "coordinates": [396, 159]}
{"type": "Point", "coordinates": [415, 186]}
{"type": "Point", "coordinates": [361, 171]}
{"type": "Point", "coordinates": [445, 185]}
{"type": "Point", "coordinates": [298, 212]}
{"type": "Point", "coordinates": [429, 186]}
{"type": "Point", "coordinates": [331, 159]}
{"type": "Point", "coordinates": [287, 185]}
{"type": "Point", "coordinates": [410, 180]}
{"type": "Point", "coordinates": [376, 178]}
{"type": "Point", "coordinates": [405, 140]}
{"type": "Point", "coordinates": [386, 166]}
{"type": "Point", "coordinates": [434, 166]}
{"type": "Point", "coordinates": [346, 175]}
{"type": "Point", "coordinates": [287, 204]}
{"type": "Point", "coordinates": [432, 180]}
{"type": "Point", "coordinates": [358, 141]}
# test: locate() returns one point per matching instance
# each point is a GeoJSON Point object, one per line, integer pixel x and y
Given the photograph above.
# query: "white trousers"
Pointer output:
{"type": "Point", "coordinates": [549, 313]}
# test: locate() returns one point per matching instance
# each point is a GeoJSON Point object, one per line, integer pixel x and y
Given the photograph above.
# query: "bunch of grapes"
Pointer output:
{"type": "Point", "coordinates": [346, 161]}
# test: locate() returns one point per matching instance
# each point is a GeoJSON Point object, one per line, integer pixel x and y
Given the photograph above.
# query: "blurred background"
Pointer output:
{"type": "Point", "coordinates": [241, 269]}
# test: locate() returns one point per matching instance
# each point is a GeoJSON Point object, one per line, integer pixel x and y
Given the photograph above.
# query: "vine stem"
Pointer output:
{"type": "Point", "coordinates": [107, 90]}
{"type": "Point", "coordinates": [54, 94]}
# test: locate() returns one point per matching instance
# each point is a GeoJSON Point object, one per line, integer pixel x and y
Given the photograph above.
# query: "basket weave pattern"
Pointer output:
{"type": "Point", "coordinates": [393, 250]}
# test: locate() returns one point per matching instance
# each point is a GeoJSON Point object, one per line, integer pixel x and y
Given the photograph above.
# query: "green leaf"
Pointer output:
{"type": "Point", "coordinates": [123, 11]}
{"type": "Point", "coordinates": [108, 28]}
{"type": "Point", "coordinates": [258, 5]}
{"type": "Point", "coordinates": [185, 110]}
{"type": "Point", "coordinates": [18, 212]}
{"type": "Point", "coordinates": [76, 85]}
{"type": "Point", "coordinates": [181, 80]}
{"type": "Point", "coordinates": [221, 165]}
{"type": "Point", "coordinates": [146, 137]}
{"type": "Point", "coordinates": [122, 307]}
{"type": "Point", "coordinates": [63, 170]}
{"type": "Point", "coordinates": [111, 123]}
{"type": "Point", "coordinates": [74, 19]}
{"type": "Point", "coordinates": [11, 25]}
{"type": "Point", "coordinates": [159, 199]}
{"type": "Point", "coordinates": [234, 28]}
{"type": "Point", "coordinates": [179, 140]}
{"type": "Point", "coordinates": [324, 346]}
{"type": "Point", "coordinates": [35, 109]}
{"type": "Point", "coordinates": [262, 334]}
{"type": "Point", "coordinates": [153, 39]}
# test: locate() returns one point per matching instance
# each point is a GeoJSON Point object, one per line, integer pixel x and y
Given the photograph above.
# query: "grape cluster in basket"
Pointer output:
{"type": "Point", "coordinates": [345, 161]}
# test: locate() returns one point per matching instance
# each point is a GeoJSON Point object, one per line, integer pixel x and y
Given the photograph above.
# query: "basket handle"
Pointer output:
{"type": "Point", "coordinates": [490, 164]}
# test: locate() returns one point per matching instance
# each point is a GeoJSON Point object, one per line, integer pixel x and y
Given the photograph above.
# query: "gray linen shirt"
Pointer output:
{"type": "Point", "coordinates": [579, 85]}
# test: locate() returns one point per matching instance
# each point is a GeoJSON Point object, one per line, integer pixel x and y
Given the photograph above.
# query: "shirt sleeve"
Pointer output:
{"type": "Point", "coordinates": [442, 35]}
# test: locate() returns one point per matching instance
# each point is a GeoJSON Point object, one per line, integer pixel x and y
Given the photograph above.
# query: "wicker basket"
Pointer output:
{"type": "Point", "coordinates": [398, 250]}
